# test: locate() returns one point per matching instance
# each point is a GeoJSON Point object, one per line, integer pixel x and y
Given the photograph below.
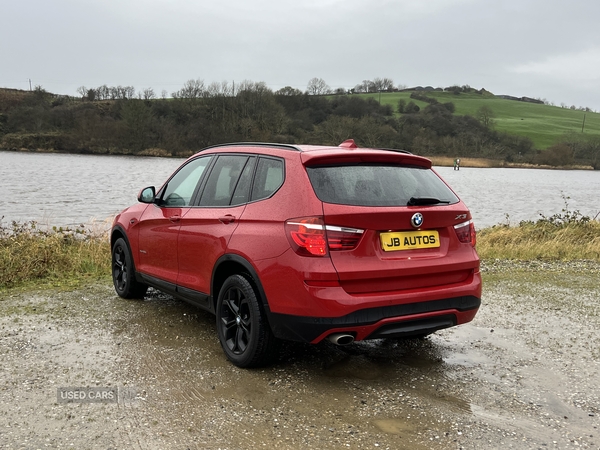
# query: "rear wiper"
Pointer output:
{"type": "Point", "coordinates": [419, 201]}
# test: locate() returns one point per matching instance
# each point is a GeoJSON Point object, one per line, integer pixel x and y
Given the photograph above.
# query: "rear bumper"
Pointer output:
{"type": "Point", "coordinates": [402, 320]}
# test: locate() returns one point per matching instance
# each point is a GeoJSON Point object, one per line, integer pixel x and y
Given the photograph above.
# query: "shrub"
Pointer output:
{"type": "Point", "coordinates": [567, 235]}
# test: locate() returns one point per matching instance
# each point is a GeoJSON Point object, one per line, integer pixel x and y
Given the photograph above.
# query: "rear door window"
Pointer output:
{"type": "Point", "coordinates": [268, 178]}
{"type": "Point", "coordinates": [377, 185]}
{"type": "Point", "coordinates": [223, 181]}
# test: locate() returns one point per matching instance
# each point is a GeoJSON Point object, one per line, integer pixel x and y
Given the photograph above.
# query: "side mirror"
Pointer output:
{"type": "Point", "coordinates": [147, 195]}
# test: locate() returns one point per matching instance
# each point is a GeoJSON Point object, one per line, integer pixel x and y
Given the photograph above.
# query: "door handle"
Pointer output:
{"type": "Point", "coordinates": [175, 218]}
{"type": "Point", "coordinates": [227, 219]}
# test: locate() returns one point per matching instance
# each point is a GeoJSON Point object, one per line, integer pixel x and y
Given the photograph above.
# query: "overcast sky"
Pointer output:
{"type": "Point", "coordinates": [546, 49]}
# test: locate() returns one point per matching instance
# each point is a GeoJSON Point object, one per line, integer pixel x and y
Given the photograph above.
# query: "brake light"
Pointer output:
{"type": "Point", "coordinates": [342, 238]}
{"type": "Point", "coordinates": [466, 233]}
{"type": "Point", "coordinates": [309, 236]}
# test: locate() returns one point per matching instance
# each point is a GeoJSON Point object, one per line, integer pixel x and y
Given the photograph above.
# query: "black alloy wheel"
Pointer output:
{"type": "Point", "coordinates": [243, 330]}
{"type": "Point", "coordinates": [123, 273]}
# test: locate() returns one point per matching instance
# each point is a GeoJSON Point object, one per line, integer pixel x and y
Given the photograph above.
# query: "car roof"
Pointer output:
{"type": "Point", "coordinates": [346, 152]}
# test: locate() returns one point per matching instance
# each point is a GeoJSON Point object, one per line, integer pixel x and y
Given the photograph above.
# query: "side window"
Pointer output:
{"type": "Point", "coordinates": [269, 178]}
{"type": "Point", "coordinates": [242, 190]}
{"type": "Point", "coordinates": [223, 180]}
{"type": "Point", "coordinates": [180, 189]}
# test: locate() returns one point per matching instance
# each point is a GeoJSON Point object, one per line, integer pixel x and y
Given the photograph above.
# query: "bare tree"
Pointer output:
{"type": "Point", "coordinates": [103, 92]}
{"type": "Point", "coordinates": [128, 92]}
{"type": "Point", "coordinates": [82, 90]}
{"type": "Point", "coordinates": [191, 89]}
{"type": "Point", "coordinates": [318, 86]}
{"type": "Point", "coordinates": [387, 84]}
{"type": "Point", "coordinates": [222, 89]}
{"type": "Point", "coordinates": [486, 115]}
{"type": "Point", "coordinates": [379, 84]}
{"type": "Point", "coordinates": [148, 94]}
{"type": "Point", "coordinates": [366, 85]}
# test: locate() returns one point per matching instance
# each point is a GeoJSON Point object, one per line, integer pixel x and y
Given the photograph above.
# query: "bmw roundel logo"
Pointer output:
{"type": "Point", "coordinates": [416, 220]}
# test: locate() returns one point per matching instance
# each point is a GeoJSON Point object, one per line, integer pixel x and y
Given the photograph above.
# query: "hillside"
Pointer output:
{"type": "Point", "coordinates": [441, 124]}
{"type": "Point", "coordinates": [543, 124]}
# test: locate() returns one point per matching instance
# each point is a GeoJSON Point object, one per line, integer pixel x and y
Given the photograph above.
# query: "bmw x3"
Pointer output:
{"type": "Point", "coordinates": [303, 243]}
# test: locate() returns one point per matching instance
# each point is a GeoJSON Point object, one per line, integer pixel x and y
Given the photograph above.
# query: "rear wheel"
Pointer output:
{"type": "Point", "coordinates": [123, 273]}
{"type": "Point", "coordinates": [243, 329]}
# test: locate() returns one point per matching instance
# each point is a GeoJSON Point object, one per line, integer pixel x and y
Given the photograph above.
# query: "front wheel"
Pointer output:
{"type": "Point", "coordinates": [243, 330]}
{"type": "Point", "coordinates": [123, 273]}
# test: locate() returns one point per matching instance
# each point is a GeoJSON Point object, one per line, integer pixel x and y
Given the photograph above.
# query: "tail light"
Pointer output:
{"type": "Point", "coordinates": [309, 236]}
{"type": "Point", "coordinates": [466, 233]}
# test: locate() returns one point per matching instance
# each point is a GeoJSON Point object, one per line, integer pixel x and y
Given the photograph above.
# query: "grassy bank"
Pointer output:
{"type": "Point", "coordinates": [534, 241]}
{"type": "Point", "coordinates": [543, 124]}
{"type": "Point", "coordinates": [30, 256]}
{"type": "Point", "coordinates": [486, 163]}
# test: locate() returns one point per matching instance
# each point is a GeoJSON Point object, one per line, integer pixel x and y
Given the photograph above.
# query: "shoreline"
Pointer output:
{"type": "Point", "coordinates": [487, 163]}
{"type": "Point", "coordinates": [441, 161]}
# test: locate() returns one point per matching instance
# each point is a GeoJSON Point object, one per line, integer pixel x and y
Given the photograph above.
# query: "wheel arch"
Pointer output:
{"type": "Point", "coordinates": [116, 233]}
{"type": "Point", "coordinates": [231, 264]}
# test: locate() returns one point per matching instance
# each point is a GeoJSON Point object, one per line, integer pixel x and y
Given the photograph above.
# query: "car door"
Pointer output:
{"type": "Point", "coordinates": [159, 225]}
{"type": "Point", "coordinates": [206, 229]}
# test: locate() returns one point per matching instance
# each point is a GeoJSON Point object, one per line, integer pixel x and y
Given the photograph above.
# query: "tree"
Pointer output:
{"type": "Point", "coordinates": [382, 84]}
{"type": "Point", "coordinates": [401, 106]}
{"type": "Point", "coordinates": [137, 117]}
{"type": "Point", "coordinates": [411, 108]}
{"type": "Point", "coordinates": [485, 115]}
{"type": "Point", "coordinates": [190, 90]}
{"type": "Point", "coordinates": [288, 91]}
{"type": "Point", "coordinates": [317, 86]}
{"type": "Point", "coordinates": [103, 92]}
{"type": "Point", "coordinates": [82, 90]}
{"type": "Point", "coordinates": [148, 94]}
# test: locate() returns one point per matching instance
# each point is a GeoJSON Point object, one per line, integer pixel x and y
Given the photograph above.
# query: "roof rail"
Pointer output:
{"type": "Point", "coordinates": [253, 144]}
{"type": "Point", "coordinates": [394, 150]}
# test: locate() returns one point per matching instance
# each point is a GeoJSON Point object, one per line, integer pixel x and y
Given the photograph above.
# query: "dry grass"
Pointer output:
{"type": "Point", "coordinates": [56, 256]}
{"type": "Point", "coordinates": [486, 163]}
{"type": "Point", "coordinates": [577, 240]}
{"type": "Point", "coordinates": [29, 254]}
{"type": "Point", "coordinates": [447, 161]}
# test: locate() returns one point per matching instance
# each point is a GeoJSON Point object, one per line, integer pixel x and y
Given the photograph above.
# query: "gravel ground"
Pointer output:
{"type": "Point", "coordinates": [523, 374]}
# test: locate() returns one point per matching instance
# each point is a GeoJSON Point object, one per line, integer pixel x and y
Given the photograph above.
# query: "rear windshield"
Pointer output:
{"type": "Point", "coordinates": [377, 185]}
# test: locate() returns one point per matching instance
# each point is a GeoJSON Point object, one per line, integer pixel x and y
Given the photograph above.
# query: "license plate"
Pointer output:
{"type": "Point", "coordinates": [409, 240]}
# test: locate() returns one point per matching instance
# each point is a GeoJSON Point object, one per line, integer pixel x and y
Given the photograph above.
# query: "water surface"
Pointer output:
{"type": "Point", "coordinates": [64, 189]}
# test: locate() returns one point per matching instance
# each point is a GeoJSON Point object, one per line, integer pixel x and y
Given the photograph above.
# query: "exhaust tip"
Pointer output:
{"type": "Point", "coordinates": [341, 338]}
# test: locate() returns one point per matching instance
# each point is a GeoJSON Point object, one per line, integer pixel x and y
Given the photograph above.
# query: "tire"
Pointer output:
{"type": "Point", "coordinates": [244, 332]}
{"type": "Point", "coordinates": [123, 273]}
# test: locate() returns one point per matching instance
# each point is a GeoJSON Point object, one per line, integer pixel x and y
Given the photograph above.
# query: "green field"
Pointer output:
{"type": "Point", "coordinates": [543, 124]}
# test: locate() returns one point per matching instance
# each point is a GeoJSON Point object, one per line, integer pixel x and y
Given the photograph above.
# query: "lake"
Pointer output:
{"type": "Point", "coordinates": [67, 190]}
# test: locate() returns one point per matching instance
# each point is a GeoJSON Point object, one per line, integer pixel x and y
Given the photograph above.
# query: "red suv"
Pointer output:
{"type": "Point", "coordinates": [303, 243]}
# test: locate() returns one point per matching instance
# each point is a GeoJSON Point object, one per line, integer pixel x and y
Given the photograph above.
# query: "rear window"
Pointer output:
{"type": "Point", "coordinates": [377, 185]}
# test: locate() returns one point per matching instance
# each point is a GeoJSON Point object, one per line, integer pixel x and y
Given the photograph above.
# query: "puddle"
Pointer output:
{"type": "Point", "coordinates": [395, 426]}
